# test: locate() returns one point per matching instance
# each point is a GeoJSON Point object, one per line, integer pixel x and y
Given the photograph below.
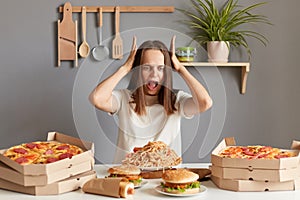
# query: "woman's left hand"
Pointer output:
{"type": "Point", "coordinates": [177, 65]}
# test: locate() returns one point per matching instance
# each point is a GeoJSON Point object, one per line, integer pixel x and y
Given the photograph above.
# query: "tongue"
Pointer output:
{"type": "Point", "coordinates": [151, 85]}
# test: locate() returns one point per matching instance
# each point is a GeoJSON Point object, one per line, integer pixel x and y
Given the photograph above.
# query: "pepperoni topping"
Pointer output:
{"type": "Point", "coordinates": [281, 156]}
{"type": "Point", "coordinates": [249, 152]}
{"type": "Point", "coordinates": [49, 152]}
{"type": "Point", "coordinates": [51, 160]}
{"type": "Point", "coordinates": [262, 155]}
{"type": "Point", "coordinates": [21, 160]}
{"type": "Point", "coordinates": [63, 147]}
{"type": "Point", "coordinates": [20, 150]}
{"type": "Point", "coordinates": [31, 145]}
{"type": "Point", "coordinates": [65, 155]}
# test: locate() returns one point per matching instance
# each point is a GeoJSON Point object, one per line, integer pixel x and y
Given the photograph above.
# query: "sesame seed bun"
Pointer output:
{"type": "Point", "coordinates": [124, 170]}
{"type": "Point", "coordinates": [179, 176]}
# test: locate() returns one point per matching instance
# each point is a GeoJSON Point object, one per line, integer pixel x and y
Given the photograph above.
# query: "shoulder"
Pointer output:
{"type": "Point", "coordinates": [120, 99]}
{"type": "Point", "coordinates": [181, 95]}
{"type": "Point", "coordinates": [122, 93]}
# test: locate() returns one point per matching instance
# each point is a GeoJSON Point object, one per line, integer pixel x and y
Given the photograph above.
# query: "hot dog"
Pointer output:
{"type": "Point", "coordinates": [114, 187]}
{"type": "Point", "coordinates": [125, 189]}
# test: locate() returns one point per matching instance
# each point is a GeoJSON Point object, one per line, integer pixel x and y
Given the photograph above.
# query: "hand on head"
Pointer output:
{"type": "Point", "coordinates": [176, 64]}
{"type": "Point", "coordinates": [129, 62]}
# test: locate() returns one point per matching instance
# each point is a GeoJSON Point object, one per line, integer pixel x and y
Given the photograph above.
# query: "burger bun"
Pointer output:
{"type": "Point", "coordinates": [187, 191]}
{"type": "Point", "coordinates": [179, 176]}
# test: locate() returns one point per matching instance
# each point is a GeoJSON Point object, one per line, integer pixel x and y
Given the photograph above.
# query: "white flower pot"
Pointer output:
{"type": "Point", "coordinates": [217, 51]}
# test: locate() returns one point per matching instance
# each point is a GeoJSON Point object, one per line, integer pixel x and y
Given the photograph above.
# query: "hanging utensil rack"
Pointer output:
{"type": "Point", "coordinates": [132, 9]}
{"type": "Point", "coordinates": [62, 50]}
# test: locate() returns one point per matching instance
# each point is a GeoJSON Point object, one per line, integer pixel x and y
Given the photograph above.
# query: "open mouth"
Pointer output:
{"type": "Point", "coordinates": [152, 85]}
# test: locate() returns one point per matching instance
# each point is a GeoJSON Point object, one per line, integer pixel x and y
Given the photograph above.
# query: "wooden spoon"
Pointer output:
{"type": "Point", "coordinates": [84, 48]}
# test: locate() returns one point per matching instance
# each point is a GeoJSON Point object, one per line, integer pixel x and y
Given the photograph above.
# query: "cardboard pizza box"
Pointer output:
{"type": "Point", "coordinates": [282, 163]}
{"type": "Point", "coordinates": [42, 169]}
{"type": "Point", "coordinates": [255, 186]}
{"type": "Point", "coordinates": [9, 174]}
{"type": "Point", "coordinates": [66, 185]}
{"type": "Point", "coordinates": [274, 175]}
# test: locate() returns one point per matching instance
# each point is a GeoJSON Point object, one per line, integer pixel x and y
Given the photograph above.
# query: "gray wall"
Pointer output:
{"type": "Point", "coordinates": [37, 97]}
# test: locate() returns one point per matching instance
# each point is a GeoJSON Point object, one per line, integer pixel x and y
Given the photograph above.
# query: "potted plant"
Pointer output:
{"type": "Point", "coordinates": [220, 28]}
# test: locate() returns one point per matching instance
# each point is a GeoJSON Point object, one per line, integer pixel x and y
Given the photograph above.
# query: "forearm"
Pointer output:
{"type": "Point", "coordinates": [101, 96]}
{"type": "Point", "coordinates": [200, 96]}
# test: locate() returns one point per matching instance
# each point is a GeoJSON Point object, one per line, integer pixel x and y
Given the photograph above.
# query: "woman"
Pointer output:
{"type": "Point", "coordinates": [149, 109]}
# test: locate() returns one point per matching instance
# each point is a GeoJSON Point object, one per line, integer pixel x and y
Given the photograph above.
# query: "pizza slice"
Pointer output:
{"type": "Point", "coordinates": [21, 155]}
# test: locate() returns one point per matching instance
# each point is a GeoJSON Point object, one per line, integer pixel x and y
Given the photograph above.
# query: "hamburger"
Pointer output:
{"type": "Point", "coordinates": [128, 172]}
{"type": "Point", "coordinates": [180, 181]}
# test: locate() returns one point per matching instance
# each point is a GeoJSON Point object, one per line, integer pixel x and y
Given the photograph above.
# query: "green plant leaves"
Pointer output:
{"type": "Point", "coordinates": [208, 23]}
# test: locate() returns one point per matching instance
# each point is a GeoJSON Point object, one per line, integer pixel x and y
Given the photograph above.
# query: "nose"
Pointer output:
{"type": "Point", "coordinates": [154, 71]}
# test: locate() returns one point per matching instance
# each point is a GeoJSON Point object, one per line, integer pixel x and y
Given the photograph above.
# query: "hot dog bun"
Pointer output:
{"type": "Point", "coordinates": [125, 189]}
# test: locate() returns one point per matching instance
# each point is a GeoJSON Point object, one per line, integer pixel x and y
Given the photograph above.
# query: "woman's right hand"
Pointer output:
{"type": "Point", "coordinates": [129, 62]}
{"type": "Point", "coordinates": [177, 65]}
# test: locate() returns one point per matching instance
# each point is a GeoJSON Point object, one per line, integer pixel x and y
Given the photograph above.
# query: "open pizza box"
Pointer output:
{"type": "Point", "coordinates": [63, 186]}
{"type": "Point", "coordinates": [274, 175]}
{"type": "Point", "coordinates": [252, 164]}
{"type": "Point", "coordinates": [52, 168]}
{"type": "Point", "coordinates": [255, 186]}
{"type": "Point", "coordinates": [9, 174]}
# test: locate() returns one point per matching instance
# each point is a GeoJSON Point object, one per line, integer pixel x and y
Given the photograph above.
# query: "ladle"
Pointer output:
{"type": "Point", "coordinates": [100, 52]}
{"type": "Point", "coordinates": [84, 48]}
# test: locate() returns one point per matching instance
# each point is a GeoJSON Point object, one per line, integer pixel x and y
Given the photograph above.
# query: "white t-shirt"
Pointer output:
{"type": "Point", "coordinates": [156, 125]}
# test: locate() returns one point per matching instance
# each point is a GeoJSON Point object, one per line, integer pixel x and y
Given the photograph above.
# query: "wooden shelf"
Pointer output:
{"type": "Point", "coordinates": [135, 9]}
{"type": "Point", "coordinates": [244, 65]}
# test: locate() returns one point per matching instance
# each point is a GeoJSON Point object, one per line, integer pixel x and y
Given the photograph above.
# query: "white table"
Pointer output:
{"type": "Point", "coordinates": [147, 192]}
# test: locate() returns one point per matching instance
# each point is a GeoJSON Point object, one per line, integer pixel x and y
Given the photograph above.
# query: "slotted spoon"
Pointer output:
{"type": "Point", "coordinates": [117, 43]}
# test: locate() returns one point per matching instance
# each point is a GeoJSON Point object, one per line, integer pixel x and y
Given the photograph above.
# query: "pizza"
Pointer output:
{"type": "Point", "coordinates": [254, 152]}
{"type": "Point", "coordinates": [41, 152]}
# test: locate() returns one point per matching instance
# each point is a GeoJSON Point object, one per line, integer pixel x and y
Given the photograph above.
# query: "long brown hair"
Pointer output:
{"type": "Point", "coordinates": [166, 96]}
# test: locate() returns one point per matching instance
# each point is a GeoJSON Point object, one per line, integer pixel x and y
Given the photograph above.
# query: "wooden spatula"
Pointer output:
{"type": "Point", "coordinates": [117, 44]}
